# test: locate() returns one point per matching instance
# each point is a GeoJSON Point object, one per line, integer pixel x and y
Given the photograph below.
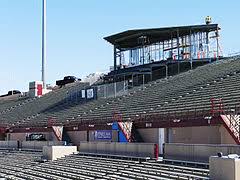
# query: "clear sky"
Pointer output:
{"type": "Point", "coordinates": [76, 28]}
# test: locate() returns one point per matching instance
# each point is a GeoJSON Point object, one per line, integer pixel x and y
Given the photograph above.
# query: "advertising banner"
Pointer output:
{"type": "Point", "coordinates": [103, 135]}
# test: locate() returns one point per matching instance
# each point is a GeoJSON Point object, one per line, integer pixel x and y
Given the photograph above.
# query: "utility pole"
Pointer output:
{"type": "Point", "coordinates": [44, 41]}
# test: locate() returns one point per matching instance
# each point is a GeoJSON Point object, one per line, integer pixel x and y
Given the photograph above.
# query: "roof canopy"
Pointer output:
{"type": "Point", "coordinates": [130, 39]}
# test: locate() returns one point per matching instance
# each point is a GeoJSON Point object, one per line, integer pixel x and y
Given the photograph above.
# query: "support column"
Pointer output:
{"type": "Point", "coordinates": [143, 80]}
{"type": "Point", "coordinates": [171, 45]}
{"type": "Point", "coordinates": [178, 50]}
{"type": "Point", "coordinates": [190, 42]}
{"type": "Point", "coordinates": [207, 42]}
{"type": "Point", "coordinates": [217, 44]}
{"type": "Point", "coordinates": [166, 71]}
{"type": "Point", "coordinates": [163, 51]}
{"type": "Point", "coordinates": [88, 136]}
{"type": "Point", "coordinates": [178, 44]}
{"type": "Point", "coordinates": [115, 58]}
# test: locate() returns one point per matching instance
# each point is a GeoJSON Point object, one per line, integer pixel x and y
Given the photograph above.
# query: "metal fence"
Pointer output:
{"type": "Point", "coordinates": [112, 89]}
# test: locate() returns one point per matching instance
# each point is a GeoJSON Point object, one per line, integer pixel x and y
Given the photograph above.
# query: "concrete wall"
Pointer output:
{"type": "Point", "coordinates": [197, 152]}
{"type": "Point", "coordinates": [149, 135]}
{"type": "Point", "coordinates": [224, 168]}
{"type": "Point", "coordinates": [195, 135]}
{"type": "Point", "coordinates": [28, 144]}
{"type": "Point", "coordinates": [83, 136]}
{"type": "Point", "coordinates": [77, 136]}
{"type": "Point", "coordinates": [127, 149]}
{"type": "Point", "coordinates": [55, 152]}
{"type": "Point", "coordinates": [2, 137]}
{"type": "Point", "coordinates": [226, 138]}
{"type": "Point", "coordinates": [16, 136]}
{"type": "Point", "coordinates": [154, 135]}
{"type": "Point", "coordinates": [8, 144]}
{"type": "Point", "coordinates": [22, 136]}
{"type": "Point", "coordinates": [200, 135]}
{"type": "Point", "coordinates": [39, 144]}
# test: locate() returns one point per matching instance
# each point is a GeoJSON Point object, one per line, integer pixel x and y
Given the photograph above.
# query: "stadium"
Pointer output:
{"type": "Point", "coordinates": [169, 102]}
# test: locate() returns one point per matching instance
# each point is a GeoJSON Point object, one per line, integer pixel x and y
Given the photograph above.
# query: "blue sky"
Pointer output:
{"type": "Point", "coordinates": [76, 29]}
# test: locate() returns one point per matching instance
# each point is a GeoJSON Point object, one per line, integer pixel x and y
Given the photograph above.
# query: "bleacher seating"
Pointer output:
{"type": "Point", "coordinates": [8, 105]}
{"type": "Point", "coordinates": [21, 111]}
{"type": "Point", "coordinates": [187, 92]}
{"type": "Point", "coordinates": [24, 165]}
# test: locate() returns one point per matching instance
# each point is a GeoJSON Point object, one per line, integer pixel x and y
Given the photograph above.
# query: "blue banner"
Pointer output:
{"type": "Point", "coordinates": [103, 135]}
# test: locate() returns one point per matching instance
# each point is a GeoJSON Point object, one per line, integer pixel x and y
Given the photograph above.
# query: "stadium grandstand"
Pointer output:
{"type": "Point", "coordinates": [168, 94]}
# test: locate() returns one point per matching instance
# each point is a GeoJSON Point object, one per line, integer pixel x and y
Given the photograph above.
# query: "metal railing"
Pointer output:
{"type": "Point", "coordinates": [112, 89]}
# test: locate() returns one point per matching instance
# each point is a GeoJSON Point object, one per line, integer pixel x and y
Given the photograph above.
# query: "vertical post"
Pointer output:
{"type": "Point", "coordinates": [124, 84]}
{"type": "Point", "coordinates": [143, 80]}
{"type": "Point", "coordinates": [178, 44]}
{"type": "Point", "coordinates": [115, 89]}
{"type": "Point", "coordinates": [132, 80]}
{"type": "Point", "coordinates": [88, 135]}
{"type": "Point", "coordinates": [178, 50]}
{"type": "Point", "coordinates": [217, 35]}
{"type": "Point", "coordinates": [115, 62]}
{"type": "Point", "coordinates": [166, 71]}
{"type": "Point", "coordinates": [105, 90]}
{"type": "Point", "coordinates": [44, 41]}
{"type": "Point", "coordinates": [115, 58]}
{"type": "Point", "coordinates": [151, 74]}
{"type": "Point", "coordinates": [171, 45]}
{"type": "Point", "coordinates": [120, 59]}
{"type": "Point", "coordinates": [155, 53]}
{"type": "Point", "coordinates": [143, 53]}
{"type": "Point", "coordinates": [159, 46]}
{"type": "Point", "coordinates": [190, 42]}
{"type": "Point", "coordinates": [207, 42]}
{"type": "Point", "coordinates": [163, 52]}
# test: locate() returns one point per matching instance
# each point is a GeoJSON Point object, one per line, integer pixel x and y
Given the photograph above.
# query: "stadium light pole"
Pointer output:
{"type": "Point", "coordinates": [44, 41]}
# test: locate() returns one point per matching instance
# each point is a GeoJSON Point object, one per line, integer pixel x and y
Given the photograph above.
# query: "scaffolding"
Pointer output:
{"type": "Point", "coordinates": [183, 43]}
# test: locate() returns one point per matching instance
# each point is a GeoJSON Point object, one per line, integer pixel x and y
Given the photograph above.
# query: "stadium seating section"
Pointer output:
{"type": "Point", "coordinates": [187, 92]}
{"type": "Point", "coordinates": [26, 165]}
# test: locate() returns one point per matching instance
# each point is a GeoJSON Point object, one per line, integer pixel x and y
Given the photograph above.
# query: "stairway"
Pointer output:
{"type": "Point", "coordinates": [231, 121]}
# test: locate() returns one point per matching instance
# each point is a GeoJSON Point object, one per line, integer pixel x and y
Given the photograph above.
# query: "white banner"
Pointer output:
{"type": "Point", "coordinates": [90, 93]}
{"type": "Point", "coordinates": [83, 94]}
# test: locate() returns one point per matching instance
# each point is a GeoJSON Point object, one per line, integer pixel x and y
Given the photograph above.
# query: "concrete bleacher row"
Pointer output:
{"type": "Point", "coordinates": [187, 92]}
{"type": "Point", "coordinates": [8, 105]}
{"type": "Point", "coordinates": [25, 165]}
{"type": "Point", "coordinates": [20, 111]}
